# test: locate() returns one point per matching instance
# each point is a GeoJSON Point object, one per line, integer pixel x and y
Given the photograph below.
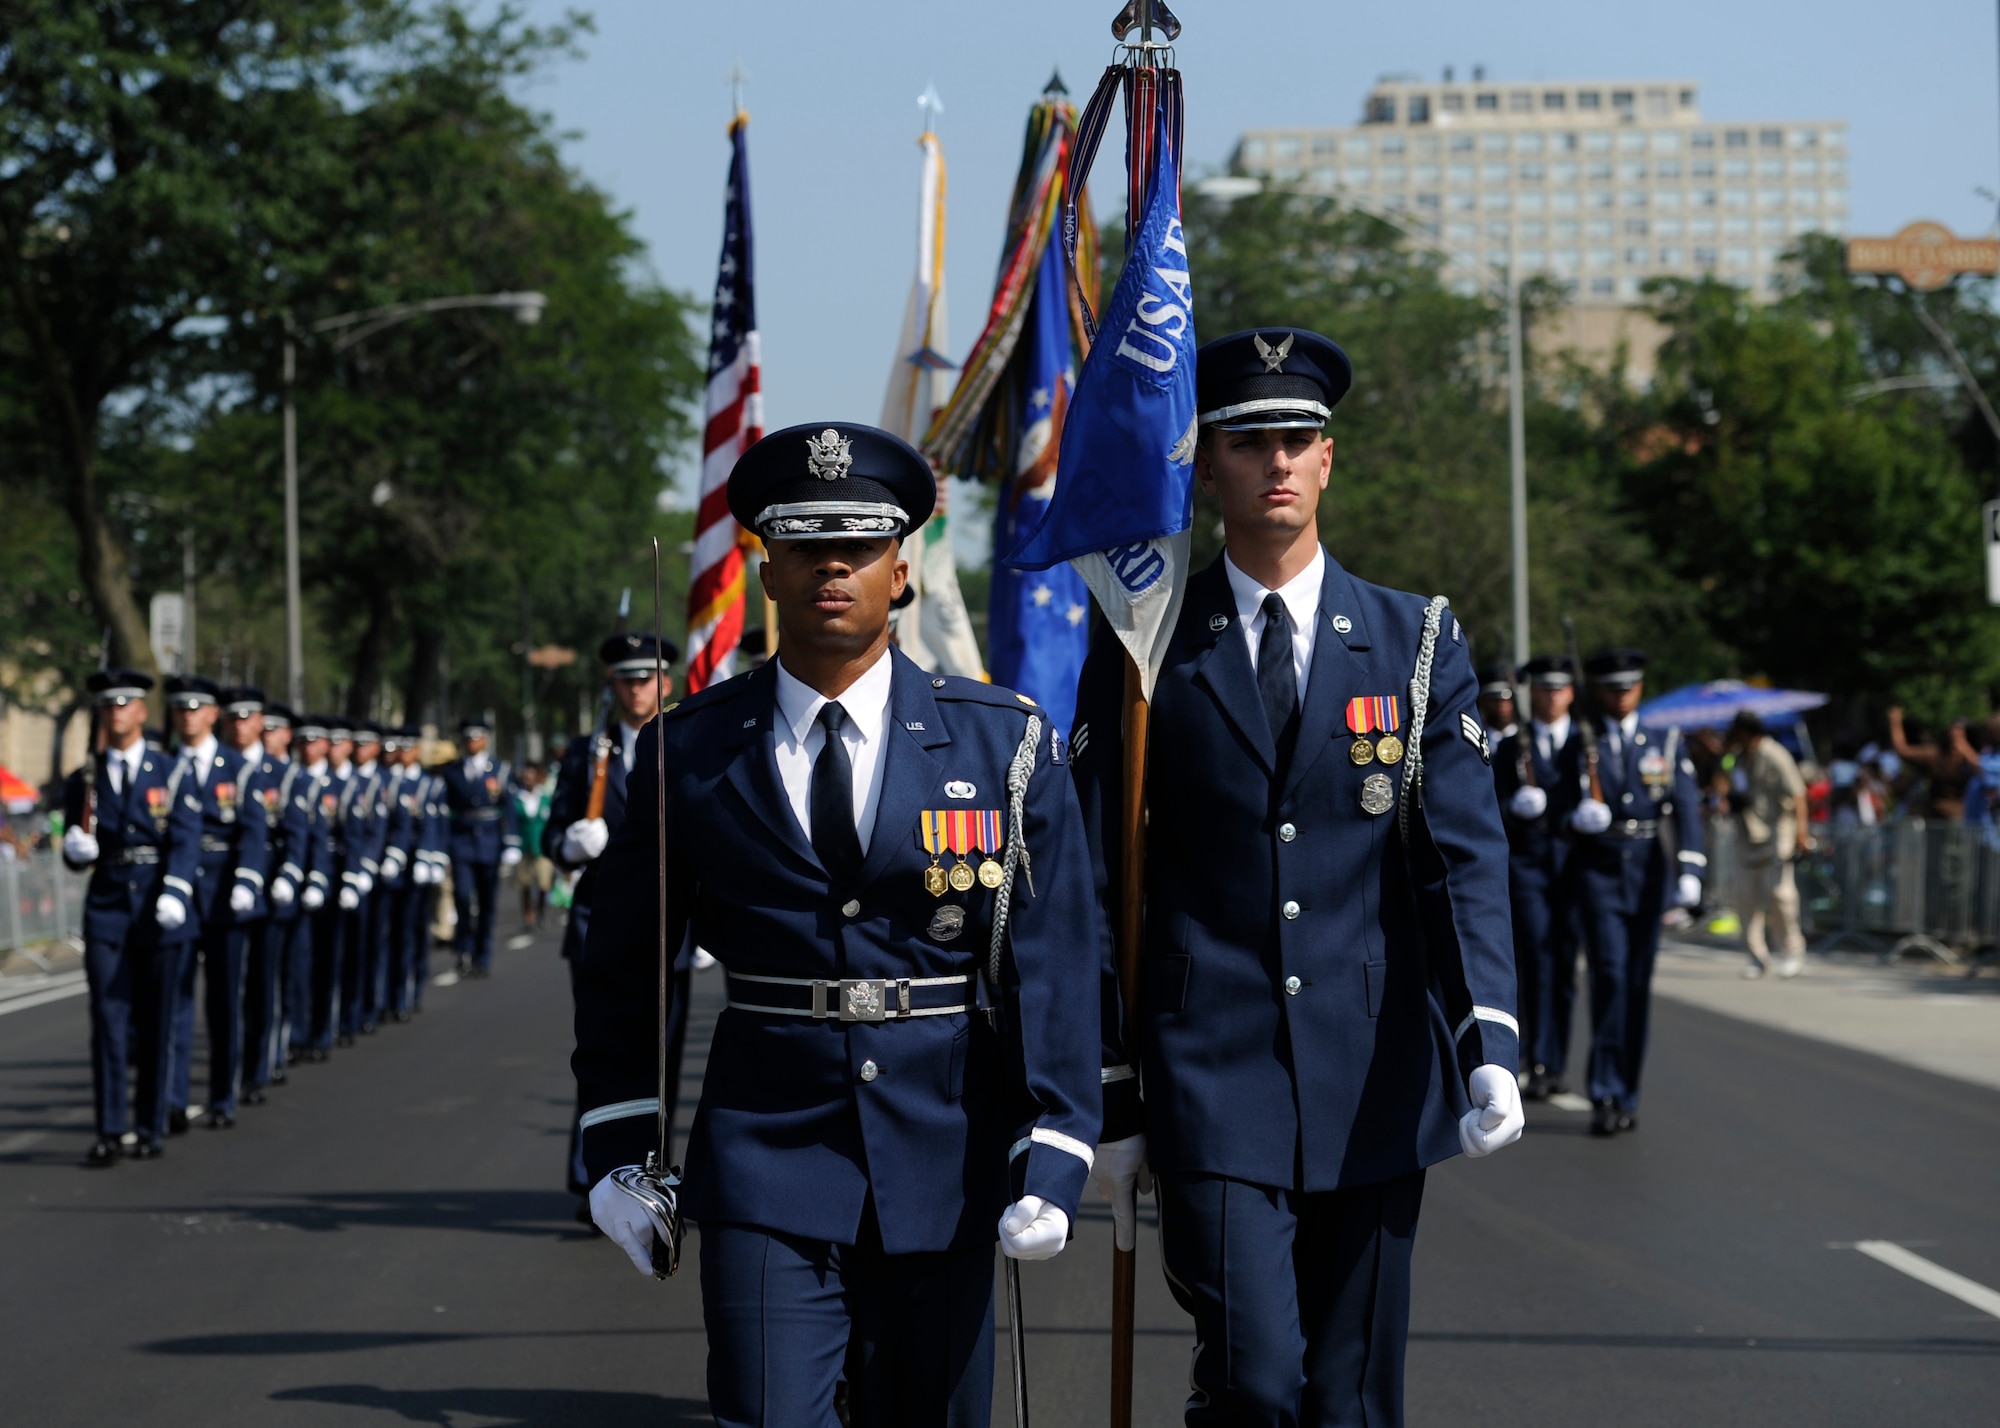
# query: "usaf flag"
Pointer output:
{"type": "Point", "coordinates": [1124, 494]}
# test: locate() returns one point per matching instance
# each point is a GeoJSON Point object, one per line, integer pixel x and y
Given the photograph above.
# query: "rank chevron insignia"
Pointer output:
{"type": "Point", "coordinates": [1475, 735]}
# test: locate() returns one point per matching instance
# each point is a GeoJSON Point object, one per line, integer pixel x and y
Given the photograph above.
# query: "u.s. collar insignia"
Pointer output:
{"type": "Point", "coordinates": [1341, 624]}
{"type": "Point", "coordinates": [959, 788]}
{"type": "Point", "coordinates": [1274, 357]}
{"type": "Point", "coordinates": [827, 456]}
{"type": "Point", "coordinates": [1218, 622]}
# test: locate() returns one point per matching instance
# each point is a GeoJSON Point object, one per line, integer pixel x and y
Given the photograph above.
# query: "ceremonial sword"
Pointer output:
{"type": "Point", "coordinates": [656, 1184]}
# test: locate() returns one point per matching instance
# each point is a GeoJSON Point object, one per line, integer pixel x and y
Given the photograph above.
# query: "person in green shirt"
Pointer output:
{"type": "Point", "coordinates": [531, 815]}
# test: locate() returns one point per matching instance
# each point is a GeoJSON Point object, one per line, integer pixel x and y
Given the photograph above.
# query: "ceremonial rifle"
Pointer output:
{"type": "Point", "coordinates": [1586, 725]}
{"type": "Point", "coordinates": [99, 738]}
{"type": "Point", "coordinates": [656, 1184]}
{"type": "Point", "coordinates": [600, 772]}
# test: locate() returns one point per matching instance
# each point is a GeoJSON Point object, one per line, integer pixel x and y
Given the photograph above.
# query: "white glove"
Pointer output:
{"type": "Point", "coordinates": [583, 840]}
{"type": "Point", "coordinates": [364, 883]}
{"type": "Point", "coordinates": [1120, 1175]}
{"type": "Point", "coordinates": [242, 899]}
{"type": "Point", "coordinates": [420, 873]}
{"type": "Point", "coordinates": [624, 1222]}
{"type": "Point", "coordinates": [1591, 817]}
{"type": "Point", "coordinates": [1690, 890]}
{"type": "Point", "coordinates": [313, 897]}
{"type": "Point", "coordinates": [1528, 802]}
{"type": "Point", "coordinates": [79, 846]}
{"type": "Point", "coordinates": [170, 912]}
{"type": "Point", "coordinates": [1495, 1118]}
{"type": "Point", "coordinates": [349, 898]}
{"type": "Point", "coordinates": [282, 892]}
{"type": "Point", "coordinates": [1033, 1229]}
{"type": "Point", "coordinates": [508, 858]}
{"type": "Point", "coordinates": [392, 865]}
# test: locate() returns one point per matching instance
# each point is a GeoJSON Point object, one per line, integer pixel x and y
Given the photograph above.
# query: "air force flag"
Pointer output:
{"type": "Point", "coordinates": [1124, 494]}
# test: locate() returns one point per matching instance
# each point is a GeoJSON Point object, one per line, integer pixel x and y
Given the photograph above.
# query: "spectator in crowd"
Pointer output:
{"type": "Point", "coordinates": [1772, 807]}
{"type": "Point", "coordinates": [1944, 768]}
{"type": "Point", "coordinates": [531, 814]}
{"type": "Point", "coordinates": [1982, 798]}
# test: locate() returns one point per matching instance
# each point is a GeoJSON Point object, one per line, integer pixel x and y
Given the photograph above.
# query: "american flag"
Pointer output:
{"type": "Point", "coordinates": [734, 414]}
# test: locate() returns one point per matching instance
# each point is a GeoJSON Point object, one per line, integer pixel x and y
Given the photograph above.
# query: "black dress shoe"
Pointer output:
{"type": "Point", "coordinates": [319, 1053]}
{"type": "Point", "coordinates": [367, 1028]}
{"type": "Point", "coordinates": [1628, 1121]}
{"type": "Point", "coordinates": [345, 1039]}
{"type": "Point", "coordinates": [254, 1096]}
{"type": "Point", "coordinates": [293, 1056]}
{"type": "Point", "coordinates": [177, 1121]}
{"type": "Point", "coordinates": [221, 1120]}
{"type": "Point", "coordinates": [1537, 1088]}
{"type": "Point", "coordinates": [278, 1072]}
{"type": "Point", "coordinates": [479, 974]}
{"type": "Point", "coordinates": [1604, 1119]}
{"type": "Point", "coordinates": [146, 1150]}
{"type": "Point", "coordinates": [103, 1151]}
{"type": "Point", "coordinates": [402, 1016]}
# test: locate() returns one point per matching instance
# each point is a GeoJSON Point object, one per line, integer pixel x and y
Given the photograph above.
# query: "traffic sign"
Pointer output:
{"type": "Point", "coordinates": [1991, 512]}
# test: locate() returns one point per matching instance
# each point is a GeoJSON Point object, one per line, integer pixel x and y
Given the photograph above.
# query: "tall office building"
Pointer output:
{"type": "Point", "coordinates": [1602, 185]}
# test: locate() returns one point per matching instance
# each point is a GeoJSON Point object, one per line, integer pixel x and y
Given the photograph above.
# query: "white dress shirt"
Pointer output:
{"type": "Point", "coordinates": [628, 743]}
{"type": "Point", "coordinates": [123, 764]}
{"type": "Point", "coordinates": [800, 738]}
{"type": "Point", "coordinates": [476, 766]}
{"type": "Point", "coordinates": [1621, 732]}
{"type": "Point", "coordinates": [202, 758]}
{"type": "Point", "coordinates": [1301, 597]}
{"type": "Point", "coordinates": [1549, 738]}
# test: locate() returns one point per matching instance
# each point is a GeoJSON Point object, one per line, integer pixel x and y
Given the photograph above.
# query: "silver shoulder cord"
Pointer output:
{"type": "Point", "coordinates": [1420, 703]}
{"type": "Point", "coordinates": [1018, 774]}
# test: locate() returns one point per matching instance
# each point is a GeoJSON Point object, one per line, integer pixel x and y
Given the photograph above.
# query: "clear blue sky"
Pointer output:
{"type": "Point", "coordinates": [833, 93]}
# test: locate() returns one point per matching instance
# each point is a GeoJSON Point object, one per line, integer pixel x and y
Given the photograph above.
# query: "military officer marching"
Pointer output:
{"type": "Point", "coordinates": [1634, 783]}
{"type": "Point", "coordinates": [333, 776]}
{"type": "Point", "coordinates": [1496, 702]}
{"type": "Point", "coordinates": [1326, 985]}
{"type": "Point", "coordinates": [878, 1106]}
{"type": "Point", "coordinates": [286, 804]}
{"type": "Point", "coordinates": [408, 870]}
{"type": "Point", "coordinates": [141, 846]}
{"type": "Point", "coordinates": [1536, 775]}
{"type": "Point", "coordinates": [483, 842]}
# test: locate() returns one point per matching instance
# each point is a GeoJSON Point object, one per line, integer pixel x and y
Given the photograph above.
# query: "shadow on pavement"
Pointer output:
{"type": "Point", "coordinates": [1738, 1343]}
{"type": "Point", "coordinates": [540, 1407]}
{"type": "Point", "coordinates": [285, 1342]}
{"type": "Point", "coordinates": [541, 1214]}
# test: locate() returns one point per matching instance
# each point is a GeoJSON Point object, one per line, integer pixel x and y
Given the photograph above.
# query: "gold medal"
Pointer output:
{"type": "Point", "coordinates": [990, 875]}
{"type": "Point", "coordinates": [1389, 749]}
{"type": "Point", "coordinates": [1361, 751]}
{"type": "Point", "coordinates": [962, 877]}
{"type": "Point", "coordinates": [935, 881]}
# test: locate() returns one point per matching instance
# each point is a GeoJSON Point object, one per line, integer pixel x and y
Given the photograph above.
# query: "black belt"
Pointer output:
{"type": "Point", "coordinates": [479, 815]}
{"type": "Point", "coordinates": [850, 998]}
{"type": "Point", "coordinates": [1633, 828]}
{"type": "Point", "coordinates": [144, 853]}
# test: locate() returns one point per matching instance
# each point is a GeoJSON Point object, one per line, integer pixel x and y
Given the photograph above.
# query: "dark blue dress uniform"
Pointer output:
{"type": "Point", "coordinates": [624, 656]}
{"type": "Point", "coordinates": [1546, 937]}
{"type": "Point", "coordinates": [283, 797]}
{"type": "Point", "coordinates": [861, 1115]}
{"type": "Point", "coordinates": [144, 837]}
{"type": "Point", "coordinates": [399, 895]}
{"type": "Point", "coordinates": [328, 947]}
{"type": "Point", "coordinates": [366, 825]}
{"type": "Point", "coordinates": [1624, 878]}
{"type": "Point", "coordinates": [433, 839]}
{"type": "Point", "coordinates": [482, 830]}
{"type": "Point", "coordinates": [1314, 990]}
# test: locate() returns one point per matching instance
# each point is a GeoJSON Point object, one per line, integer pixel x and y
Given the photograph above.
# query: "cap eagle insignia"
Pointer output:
{"type": "Point", "coordinates": [827, 456]}
{"type": "Point", "coordinates": [1274, 357]}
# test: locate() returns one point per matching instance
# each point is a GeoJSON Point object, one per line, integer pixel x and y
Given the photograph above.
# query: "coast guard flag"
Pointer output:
{"type": "Point", "coordinates": [1038, 629]}
{"type": "Point", "coordinates": [1125, 497]}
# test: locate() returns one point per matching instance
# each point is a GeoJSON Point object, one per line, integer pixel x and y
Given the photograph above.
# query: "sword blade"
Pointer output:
{"type": "Point", "coordinates": [660, 846]}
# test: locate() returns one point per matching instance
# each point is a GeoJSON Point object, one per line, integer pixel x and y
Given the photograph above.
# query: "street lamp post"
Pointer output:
{"type": "Point", "coordinates": [1517, 461]}
{"type": "Point", "coordinates": [354, 328]}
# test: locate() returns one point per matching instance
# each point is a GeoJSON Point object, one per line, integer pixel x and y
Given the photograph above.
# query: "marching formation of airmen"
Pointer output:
{"type": "Point", "coordinates": [283, 866]}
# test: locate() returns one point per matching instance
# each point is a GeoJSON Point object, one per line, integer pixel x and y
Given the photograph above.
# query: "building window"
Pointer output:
{"type": "Point", "coordinates": [1420, 109]}
{"type": "Point", "coordinates": [1836, 168]}
{"type": "Point", "coordinates": [1528, 143]}
{"type": "Point", "coordinates": [1769, 254]}
{"type": "Point", "coordinates": [1326, 177]}
{"type": "Point", "coordinates": [1253, 151]}
{"type": "Point", "coordinates": [1393, 201]}
{"type": "Point", "coordinates": [1461, 232]}
{"type": "Point", "coordinates": [1736, 256]}
{"type": "Point", "coordinates": [1464, 202]}
{"type": "Point", "coordinates": [1520, 101]}
{"type": "Point", "coordinates": [1635, 257]}
{"type": "Point", "coordinates": [1392, 143]}
{"type": "Point", "coordinates": [1531, 173]}
{"type": "Point", "coordinates": [1426, 173]}
{"type": "Point", "coordinates": [1392, 174]}
{"type": "Point", "coordinates": [1836, 138]}
{"type": "Point", "coordinates": [1381, 109]}
{"type": "Point", "coordinates": [1667, 169]}
{"type": "Point", "coordinates": [1667, 198]}
{"type": "Point", "coordinates": [1562, 143]}
{"type": "Point", "coordinates": [1497, 202]}
{"type": "Point", "coordinates": [1461, 173]}
{"type": "Point", "coordinates": [1566, 230]}
{"type": "Point", "coordinates": [1532, 230]}
{"type": "Point", "coordinates": [1554, 99]}
{"type": "Point", "coordinates": [1702, 168]}
{"type": "Point", "coordinates": [1702, 228]}
{"type": "Point", "coordinates": [1772, 227]}
{"type": "Point", "coordinates": [1687, 98]}
{"type": "Point", "coordinates": [1427, 200]}
{"type": "Point", "coordinates": [1566, 259]}
{"type": "Point", "coordinates": [1599, 229]}
{"type": "Point", "coordinates": [1704, 257]}
{"type": "Point", "coordinates": [1736, 227]}
{"type": "Point", "coordinates": [1597, 143]}
{"type": "Point", "coordinates": [1656, 103]}
{"type": "Point", "coordinates": [1667, 227]}
{"type": "Point", "coordinates": [1836, 198]}
{"type": "Point", "coordinates": [1632, 141]}
{"type": "Point", "coordinates": [1598, 170]}
{"type": "Point", "coordinates": [1805, 138]}
{"type": "Point", "coordinates": [1532, 257]}
{"type": "Point", "coordinates": [1451, 102]}
{"type": "Point", "coordinates": [1493, 173]}
{"type": "Point", "coordinates": [1461, 143]}
{"type": "Point", "coordinates": [1770, 168]}
{"type": "Point", "coordinates": [1670, 257]}
{"type": "Point", "coordinates": [1774, 282]}
{"type": "Point", "coordinates": [1597, 198]}
{"type": "Point", "coordinates": [1635, 227]}
{"type": "Point", "coordinates": [1632, 198]}
{"type": "Point", "coordinates": [1804, 223]}
{"type": "Point", "coordinates": [1736, 198]}
{"type": "Point", "coordinates": [1493, 144]}
{"type": "Point", "coordinates": [1564, 171]}
{"type": "Point", "coordinates": [1357, 175]}
{"type": "Point", "coordinates": [1736, 168]}
{"type": "Point", "coordinates": [1357, 146]}
{"type": "Point", "coordinates": [1835, 226]}
{"type": "Point", "coordinates": [1529, 202]}
{"type": "Point", "coordinates": [1805, 168]}
{"type": "Point", "coordinates": [1603, 257]}
{"type": "Point", "coordinates": [1489, 102]}
{"type": "Point", "coordinates": [1805, 198]}
{"type": "Point", "coordinates": [1666, 141]}
{"type": "Point", "coordinates": [1770, 198]}
{"type": "Point", "coordinates": [1701, 198]}
{"type": "Point", "coordinates": [1291, 173]}
{"type": "Point", "coordinates": [1496, 231]}
{"type": "Point", "coordinates": [1589, 99]}
{"type": "Point", "coordinates": [1632, 171]}
{"type": "Point", "coordinates": [1770, 138]}
{"type": "Point", "coordinates": [1563, 200]}
{"type": "Point", "coordinates": [1288, 148]}
{"type": "Point", "coordinates": [1603, 287]}
{"type": "Point", "coordinates": [1427, 144]}
{"type": "Point", "coordinates": [1325, 144]}
{"type": "Point", "coordinates": [1701, 139]}
{"type": "Point", "coordinates": [1736, 139]}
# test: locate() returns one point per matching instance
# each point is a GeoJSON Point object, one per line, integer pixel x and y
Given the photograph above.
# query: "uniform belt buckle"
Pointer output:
{"type": "Point", "coordinates": [860, 999]}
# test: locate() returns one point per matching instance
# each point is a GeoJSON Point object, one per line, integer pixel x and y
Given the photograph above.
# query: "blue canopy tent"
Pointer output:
{"type": "Point", "coordinates": [1708, 706]}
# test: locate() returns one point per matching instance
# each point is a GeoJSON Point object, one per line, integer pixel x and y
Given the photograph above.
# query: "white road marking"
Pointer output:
{"type": "Point", "coordinates": [1971, 1291]}
{"type": "Point", "coordinates": [58, 988]}
{"type": "Point", "coordinates": [30, 983]}
{"type": "Point", "coordinates": [520, 940]}
{"type": "Point", "coordinates": [1569, 1101]}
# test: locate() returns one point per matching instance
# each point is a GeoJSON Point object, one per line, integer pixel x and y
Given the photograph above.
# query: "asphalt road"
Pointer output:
{"type": "Point", "coordinates": [388, 1241]}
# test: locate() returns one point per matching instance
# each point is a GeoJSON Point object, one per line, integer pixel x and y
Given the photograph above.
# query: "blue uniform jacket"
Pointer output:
{"type": "Point", "coordinates": [789, 1136]}
{"type": "Point", "coordinates": [229, 841]}
{"type": "Point", "coordinates": [482, 816]}
{"type": "Point", "coordinates": [1649, 781]}
{"type": "Point", "coordinates": [257, 779]}
{"type": "Point", "coordinates": [1403, 960]}
{"type": "Point", "coordinates": [364, 820]}
{"type": "Point", "coordinates": [572, 798]}
{"type": "Point", "coordinates": [1538, 848]}
{"type": "Point", "coordinates": [285, 794]}
{"type": "Point", "coordinates": [403, 831]}
{"type": "Point", "coordinates": [147, 841]}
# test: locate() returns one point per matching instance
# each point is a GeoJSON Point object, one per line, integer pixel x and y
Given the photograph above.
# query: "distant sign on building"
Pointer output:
{"type": "Point", "coordinates": [167, 627]}
{"type": "Point", "coordinates": [1924, 255]}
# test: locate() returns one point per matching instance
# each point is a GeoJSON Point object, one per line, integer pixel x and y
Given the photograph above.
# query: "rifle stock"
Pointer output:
{"type": "Point", "coordinates": [1586, 722]}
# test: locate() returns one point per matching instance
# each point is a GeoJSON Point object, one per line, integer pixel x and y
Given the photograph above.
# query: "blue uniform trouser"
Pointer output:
{"type": "Point", "coordinates": [118, 1014]}
{"type": "Point", "coordinates": [156, 1009]}
{"type": "Point", "coordinates": [218, 959]}
{"type": "Point", "coordinates": [357, 943]}
{"type": "Point", "coordinates": [267, 947]}
{"type": "Point", "coordinates": [1621, 948]}
{"type": "Point", "coordinates": [421, 903]}
{"type": "Point", "coordinates": [402, 908]}
{"type": "Point", "coordinates": [475, 885]}
{"type": "Point", "coordinates": [1544, 964]}
{"type": "Point", "coordinates": [788, 1318]}
{"type": "Point", "coordinates": [328, 932]}
{"type": "Point", "coordinates": [1301, 1302]}
{"type": "Point", "coordinates": [296, 1026]}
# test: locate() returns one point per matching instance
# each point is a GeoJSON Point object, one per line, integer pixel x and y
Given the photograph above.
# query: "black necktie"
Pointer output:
{"type": "Point", "coordinates": [1276, 681]}
{"type": "Point", "coordinates": [833, 835]}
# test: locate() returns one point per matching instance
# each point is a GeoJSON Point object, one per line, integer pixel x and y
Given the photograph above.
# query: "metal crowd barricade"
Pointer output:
{"type": "Point", "coordinates": [44, 901]}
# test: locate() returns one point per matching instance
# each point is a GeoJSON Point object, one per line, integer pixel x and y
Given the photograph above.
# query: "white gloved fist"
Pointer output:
{"type": "Point", "coordinates": [1528, 802]}
{"type": "Point", "coordinates": [420, 873]}
{"type": "Point", "coordinates": [242, 899]}
{"type": "Point", "coordinates": [1032, 1228]}
{"type": "Point", "coordinates": [584, 840]}
{"type": "Point", "coordinates": [392, 865]}
{"type": "Point", "coordinates": [1495, 1118]}
{"type": "Point", "coordinates": [282, 892]}
{"type": "Point", "coordinates": [79, 846]}
{"type": "Point", "coordinates": [1690, 890]}
{"type": "Point", "coordinates": [1119, 1174]}
{"type": "Point", "coordinates": [509, 857]}
{"type": "Point", "coordinates": [314, 898]}
{"type": "Point", "coordinates": [170, 912]}
{"type": "Point", "coordinates": [349, 898]}
{"type": "Point", "coordinates": [624, 1222]}
{"type": "Point", "coordinates": [1591, 816]}
{"type": "Point", "coordinates": [364, 883]}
